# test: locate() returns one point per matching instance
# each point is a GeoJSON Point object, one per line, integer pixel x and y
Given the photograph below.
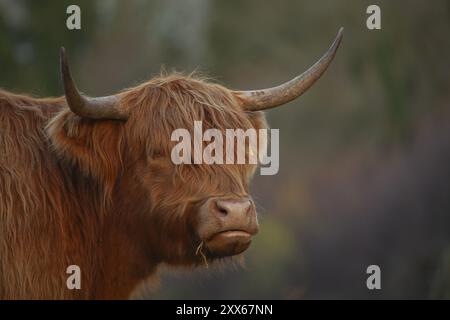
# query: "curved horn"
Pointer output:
{"type": "Point", "coordinates": [93, 108]}
{"type": "Point", "coordinates": [256, 100]}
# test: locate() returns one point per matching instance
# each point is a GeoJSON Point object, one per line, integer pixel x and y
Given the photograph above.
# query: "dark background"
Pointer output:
{"type": "Point", "coordinates": [364, 155]}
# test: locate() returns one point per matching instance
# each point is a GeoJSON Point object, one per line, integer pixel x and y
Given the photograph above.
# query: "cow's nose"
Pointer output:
{"type": "Point", "coordinates": [227, 225]}
{"type": "Point", "coordinates": [233, 208]}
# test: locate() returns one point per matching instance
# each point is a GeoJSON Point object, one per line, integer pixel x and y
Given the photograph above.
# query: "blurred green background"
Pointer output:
{"type": "Point", "coordinates": [364, 155]}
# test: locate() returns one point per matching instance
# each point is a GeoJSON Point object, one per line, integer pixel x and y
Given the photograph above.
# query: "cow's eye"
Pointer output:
{"type": "Point", "coordinates": [155, 154]}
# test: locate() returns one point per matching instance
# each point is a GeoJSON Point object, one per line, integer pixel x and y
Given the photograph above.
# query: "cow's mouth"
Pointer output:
{"type": "Point", "coordinates": [228, 243]}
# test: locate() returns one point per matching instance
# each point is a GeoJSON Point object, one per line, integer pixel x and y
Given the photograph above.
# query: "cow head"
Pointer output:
{"type": "Point", "coordinates": [187, 213]}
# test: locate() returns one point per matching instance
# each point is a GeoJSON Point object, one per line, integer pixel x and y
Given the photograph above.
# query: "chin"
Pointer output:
{"type": "Point", "coordinates": [228, 243]}
{"type": "Point", "coordinates": [224, 246]}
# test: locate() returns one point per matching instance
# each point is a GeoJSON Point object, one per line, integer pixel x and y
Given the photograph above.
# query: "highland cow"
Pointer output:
{"type": "Point", "coordinates": [90, 182]}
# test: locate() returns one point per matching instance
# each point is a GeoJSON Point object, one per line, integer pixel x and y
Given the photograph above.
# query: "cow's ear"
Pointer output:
{"type": "Point", "coordinates": [93, 146]}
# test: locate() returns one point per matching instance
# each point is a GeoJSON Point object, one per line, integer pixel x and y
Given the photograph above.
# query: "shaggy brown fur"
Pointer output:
{"type": "Point", "coordinates": [104, 195]}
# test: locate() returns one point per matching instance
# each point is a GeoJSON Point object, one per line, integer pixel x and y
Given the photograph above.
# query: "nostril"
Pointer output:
{"type": "Point", "coordinates": [233, 207]}
{"type": "Point", "coordinates": [221, 208]}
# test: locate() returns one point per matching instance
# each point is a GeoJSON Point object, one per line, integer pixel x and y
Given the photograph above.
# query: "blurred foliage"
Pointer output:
{"type": "Point", "coordinates": [364, 176]}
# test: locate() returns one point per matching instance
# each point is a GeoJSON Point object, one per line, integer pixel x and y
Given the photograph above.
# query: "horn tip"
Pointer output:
{"type": "Point", "coordinates": [62, 52]}
{"type": "Point", "coordinates": [340, 33]}
{"type": "Point", "coordinates": [62, 56]}
{"type": "Point", "coordinates": [338, 39]}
